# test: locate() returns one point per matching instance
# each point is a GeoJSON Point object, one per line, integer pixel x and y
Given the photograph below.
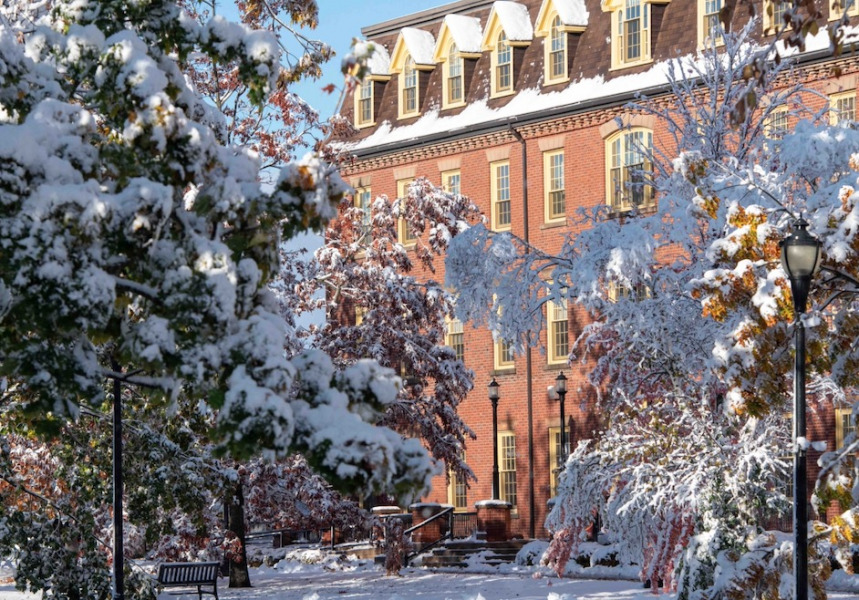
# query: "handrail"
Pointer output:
{"type": "Point", "coordinates": [436, 516]}
{"type": "Point", "coordinates": [447, 512]}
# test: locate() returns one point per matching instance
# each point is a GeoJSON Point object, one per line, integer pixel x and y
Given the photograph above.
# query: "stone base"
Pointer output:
{"type": "Point", "coordinates": [493, 517]}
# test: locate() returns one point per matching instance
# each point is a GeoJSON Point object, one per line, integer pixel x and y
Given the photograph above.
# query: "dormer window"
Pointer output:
{"type": "Point", "coordinates": [453, 81]}
{"type": "Point", "coordinates": [503, 65]}
{"type": "Point", "coordinates": [508, 32]}
{"type": "Point", "coordinates": [774, 16]}
{"type": "Point", "coordinates": [709, 28]}
{"type": "Point", "coordinates": [631, 31]}
{"type": "Point", "coordinates": [557, 56]}
{"type": "Point", "coordinates": [364, 110]}
{"type": "Point", "coordinates": [409, 88]}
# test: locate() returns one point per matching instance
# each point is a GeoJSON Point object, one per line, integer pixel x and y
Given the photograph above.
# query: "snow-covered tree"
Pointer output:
{"type": "Point", "coordinates": [137, 246]}
{"type": "Point", "coordinates": [378, 309]}
{"type": "Point", "coordinates": [689, 338]}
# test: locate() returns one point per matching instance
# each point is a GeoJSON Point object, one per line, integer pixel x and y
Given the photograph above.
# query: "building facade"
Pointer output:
{"type": "Point", "coordinates": [515, 105]}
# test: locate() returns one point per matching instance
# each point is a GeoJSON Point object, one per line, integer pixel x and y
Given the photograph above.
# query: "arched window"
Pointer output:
{"type": "Point", "coordinates": [454, 76]}
{"type": "Point", "coordinates": [629, 169]}
{"type": "Point", "coordinates": [557, 59]}
{"type": "Point", "coordinates": [503, 65]}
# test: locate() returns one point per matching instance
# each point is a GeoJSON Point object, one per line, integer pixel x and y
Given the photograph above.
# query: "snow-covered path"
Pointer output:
{"type": "Point", "coordinates": [309, 583]}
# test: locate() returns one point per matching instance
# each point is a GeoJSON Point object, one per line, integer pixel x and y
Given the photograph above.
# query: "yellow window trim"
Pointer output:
{"type": "Point", "coordinates": [703, 35]}
{"type": "Point", "coordinates": [547, 55]}
{"type": "Point", "coordinates": [836, 13]}
{"type": "Point", "coordinates": [493, 195]}
{"type": "Point", "coordinates": [620, 134]}
{"type": "Point", "coordinates": [834, 99]}
{"type": "Point", "coordinates": [445, 93]}
{"type": "Point", "coordinates": [771, 25]}
{"type": "Point", "coordinates": [548, 214]}
{"type": "Point", "coordinates": [446, 176]}
{"type": "Point", "coordinates": [555, 314]}
{"type": "Point", "coordinates": [554, 467]}
{"type": "Point", "coordinates": [840, 415]}
{"type": "Point", "coordinates": [403, 234]}
{"type": "Point", "coordinates": [502, 467]}
{"type": "Point", "coordinates": [498, 357]}
{"type": "Point", "coordinates": [401, 87]}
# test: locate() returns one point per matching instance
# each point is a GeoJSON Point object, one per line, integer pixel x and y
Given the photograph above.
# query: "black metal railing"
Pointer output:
{"type": "Point", "coordinates": [422, 536]}
{"type": "Point", "coordinates": [463, 525]}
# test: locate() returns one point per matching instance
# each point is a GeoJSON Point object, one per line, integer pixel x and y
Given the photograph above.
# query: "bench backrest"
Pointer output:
{"type": "Point", "coordinates": [191, 573]}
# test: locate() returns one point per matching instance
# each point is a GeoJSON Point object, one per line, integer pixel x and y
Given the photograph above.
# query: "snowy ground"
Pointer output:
{"type": "Point", "coordinates": [361, 580]}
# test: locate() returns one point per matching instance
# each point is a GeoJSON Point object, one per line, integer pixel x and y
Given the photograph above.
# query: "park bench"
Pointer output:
{"type": "Point", "coordinates": [187, 575]}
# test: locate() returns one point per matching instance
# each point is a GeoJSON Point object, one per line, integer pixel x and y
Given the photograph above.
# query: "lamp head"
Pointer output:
{"type": "Point", "coordinates": [561, 383]}
{"type": "Point", "coordinates": [800, 252]}
{"type": "Point", "coordinates": [493, 389]}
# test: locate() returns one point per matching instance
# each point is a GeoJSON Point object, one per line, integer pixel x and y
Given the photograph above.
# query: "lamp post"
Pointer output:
{"type": "Point", "coordinates": [493, 397]}
{"type": "Point", "coordinates": [561, 389]}
{"type": "Point", "coordinates": [800, 259]}
{"type": "Point", "coordinates": [118, 550]}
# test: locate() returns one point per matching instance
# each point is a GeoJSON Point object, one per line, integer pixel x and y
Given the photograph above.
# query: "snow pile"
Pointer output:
{"type": "Point", "coordinates": [572, 12]}
{"type": "Point", "coordinates": [465, 31]}
{"type": "Point", "coordinates": [419, 43]}
{"type": "Point", "coordinates": [515, 20]}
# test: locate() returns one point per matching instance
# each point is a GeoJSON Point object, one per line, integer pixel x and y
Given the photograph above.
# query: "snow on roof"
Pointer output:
{"type": "Point", "coordinates": [379, 62]}
{"type": "Point", "coordinates": [465, 31]}
{"type": "Point", "coordinates": [420, 44]}
{"type": "Point", "coordinates": [533, 100]}
{"type": "Point", "coordinates": [515, 20]}
{"type": "Point", "coordinates": [572, 12]}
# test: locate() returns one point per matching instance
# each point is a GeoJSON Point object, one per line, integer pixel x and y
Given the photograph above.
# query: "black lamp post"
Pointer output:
{"type": "Point", "coordinates": [800, 259]}
{"type": "Point", "coordinates": [561, 389]}
{"type": "Point", "coordinates": [493, 397]}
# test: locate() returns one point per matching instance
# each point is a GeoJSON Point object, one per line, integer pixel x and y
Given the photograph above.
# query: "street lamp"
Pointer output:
{"type": "Point", "coordinates": [561, 389]}
{"type": "Point", "coordinates": [493, 397]}
{"type": "Point", "coordinates": [800, 259]}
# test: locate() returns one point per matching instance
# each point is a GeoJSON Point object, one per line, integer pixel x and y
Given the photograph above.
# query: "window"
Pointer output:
{"type": "Point", "coordinates": [456, 338]}
{"type": "Point", "coordinates": [558, 331]}
{"type": "Point", "coordinates": [505, 358]}
{"type": "Point", "coordinates": [842, 107]}
{"type": "Point", "coordinates": [364, 104]}
{"type": "Point", "coordinates": [453, 80]}
{"type": "Point", "coordinates": [457, 490]}
{"type": "Point", "coordinates": [500, 190]}
{"type": "Point", "coordinates": [836, 10]}
{"type": "Point", "coordinates": [556, 53]}
{"type": "Point", "coordinates": [631, 43]}
{"type": "Point", "coordinates": [556, 459]}
{"type": "Point", "coordinates": [553, 185]}
{"type": "Point", "coordinates": [708, 21]}
{"type": "Point", "coordinates": [360, 313]}
{"type": "Point", "coordinates": [774, 16]}
{"type": "Point", "coordinates": [507, 467]}
{"type": "Point", "coordinates": [409, 88]}
{"type": "Point", "coordinates": [363, 200]}
{"type": "Point", "coordinates": [503, 71]}
{"type": "Point", "coordinates": [404, 233]}
{"type": "Point", "coordinates": [844, 425]}
{"type": "Point", "coordinates": [775, 126]}
{"type": "Point", "coordinates": [629, 169]}
{"type": "Point", "coordinates": [618, 291]}
{"type": "Point", "coordinates": [450, 182]}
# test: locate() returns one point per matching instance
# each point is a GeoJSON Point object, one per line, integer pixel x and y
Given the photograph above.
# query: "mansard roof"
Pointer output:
{"type": "Point", "coordinates": [463, 31]}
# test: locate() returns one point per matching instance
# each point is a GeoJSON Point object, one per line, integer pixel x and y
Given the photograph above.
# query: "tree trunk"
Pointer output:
{"type": "Point", "coordinates": [235, 509]}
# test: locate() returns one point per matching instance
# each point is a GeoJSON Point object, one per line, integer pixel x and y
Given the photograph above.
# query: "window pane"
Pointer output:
{"type": "Point", "coordinates": [507, 467]}
{"type": "Point", "coordinates": [502, 195]}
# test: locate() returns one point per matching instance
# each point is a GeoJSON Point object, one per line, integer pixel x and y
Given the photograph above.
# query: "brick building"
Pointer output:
{"type": "Point", "coordinates": [514, 104]}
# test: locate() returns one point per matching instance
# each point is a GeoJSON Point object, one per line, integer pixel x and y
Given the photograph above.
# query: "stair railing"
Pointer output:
{"type": "Point", "coordinates": [445, 533]}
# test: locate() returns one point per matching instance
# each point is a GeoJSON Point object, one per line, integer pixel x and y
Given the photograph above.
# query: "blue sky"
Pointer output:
{"type": "Point", "coordinates": [339, 22]}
